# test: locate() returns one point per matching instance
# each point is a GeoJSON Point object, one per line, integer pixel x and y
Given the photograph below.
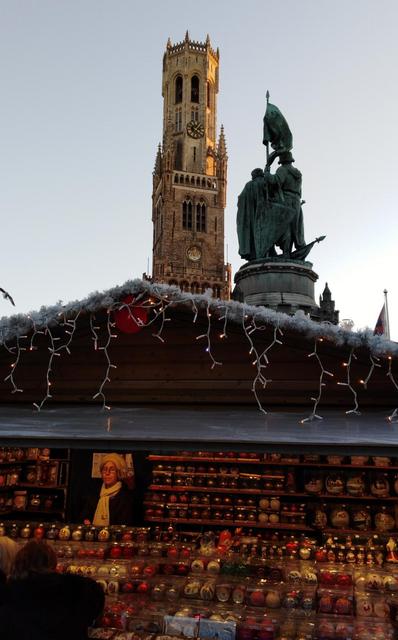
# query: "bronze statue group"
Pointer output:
{"type": "Point", "coordinates": [270, 214]}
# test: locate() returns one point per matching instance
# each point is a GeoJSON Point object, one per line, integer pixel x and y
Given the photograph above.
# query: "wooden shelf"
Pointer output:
{"type": "Point", "coordinates": [327, 496]}
{"type": "Point", "coordinates": [166, 487]}
{"type": "Point", "coordinates": [368, 532]}
{"type": "Point", "coordinates": [233, 523]}
{"type": "Point", "coordinates": [31, 511]}
{"type": "Point", "coordinates": [28, 485]}
{"type": "Point", "coordinates": [322, 465]}
{"type": "Point", "coordinates": [190, 505]}
{"type": "Point", "coordinates": [34, 461]}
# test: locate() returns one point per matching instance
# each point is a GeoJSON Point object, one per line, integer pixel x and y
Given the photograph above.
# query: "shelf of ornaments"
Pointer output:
{"type": "Point", "coordinates": [280, 463]}
{"type": "Point", "coordinates": [265, 492]}
{"type": "Point", "coordinates": [32, 461]}
{"type": "Point", "coordinates": [352, 532]}
{"type": "Point", "coordinates": [221, 507]}
{"type": "Point", "coordinates": [150, 617]}
{"type": "Point", "coordinates": [232, 523]}
{"type": "Point", "coordinates": [29, 485]}
{"type": "Point", "coordinates": [218, 474]}
{"type": "Point", "coordinates": [184, 488]}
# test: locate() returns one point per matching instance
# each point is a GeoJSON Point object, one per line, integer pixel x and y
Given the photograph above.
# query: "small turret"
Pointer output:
{"type": "Point", "coordinates": [221, 167]}
{"type": "Point", "coordinates": [326, 307]}
{"type": "Point", "coordinates": [222, 145]}
{"type": "Point", "coordinates": [157, 170]}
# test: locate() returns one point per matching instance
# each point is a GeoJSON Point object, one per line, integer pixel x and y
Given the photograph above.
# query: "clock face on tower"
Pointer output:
{"type": "Point", "coordinates": [194, 253]}
{"type": "Point", "coordinates": [195, 129]}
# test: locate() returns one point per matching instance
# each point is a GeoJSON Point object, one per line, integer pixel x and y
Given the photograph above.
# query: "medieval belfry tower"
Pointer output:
{"type": "Point", "coordinates": [190, 175]}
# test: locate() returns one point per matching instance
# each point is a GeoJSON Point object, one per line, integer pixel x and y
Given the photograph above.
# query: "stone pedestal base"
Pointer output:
{"type": "Point", "coordinates": [277, 283]}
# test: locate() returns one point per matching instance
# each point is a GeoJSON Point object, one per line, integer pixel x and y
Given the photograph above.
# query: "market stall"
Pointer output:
{"type": "Point", "coordinates": [264, 463]}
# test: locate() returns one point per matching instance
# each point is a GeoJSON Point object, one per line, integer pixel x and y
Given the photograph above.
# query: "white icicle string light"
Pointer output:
{"type": "Point", "coordinates": [53, 354]}
{"type": "Point", "coordinates": [158, 298]}
{"type": "Point", "coordinates": [223, 334]}
{"type": "Point", "coordinates": [13, 366]}
{"type": "Point", "coordinates": [206, 336]}
{"type": "Point", "coordinates": [94, 328]}
{"type": "Point", "coordinates": [110, 335]}
{"type": "Point", "coordinates": [69, 326]}
{"type": "Point", "coordinates": [348, 384]}
{"type": "Point", "coordinates": [373, 365]}
{"type": "Point", "coordinates": [195, 311]}
{"type": "Point", "coordinates": [259, 357]}
{"type": "Point", "coordinates": [35, 333]}
{"type": "Point", "coordinates": [321, 384]}
{"type": "Point", "coordinates": [394, 416]}
{"type": "Point", "coordinates": [161, 312]}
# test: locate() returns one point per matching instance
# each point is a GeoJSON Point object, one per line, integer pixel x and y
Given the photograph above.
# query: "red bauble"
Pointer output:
{"type": "Point", "coordinates": [143, 587]}
{"type": "Point", "coordinates": [344, 580]}
{"type": "Point", "coordinates": [115, 552]}
{"type": "Point", "coordinates": [128, 551]}
{"type": "Point", "coordinates": [257, 598]}
{"type": "Point", "coordinates": [320, 555]}
{"type": "Point", "coordinates": [327, 577]}
{"type": "Point", "coordinates": [326, 604]}
{"type": "Point", "coordinates": [172, 552]}
{"type": "Point", "coordinates": [127, 587]}
{"type": "Point", "coordinates": [182, 569]}
{"type": "Point", "coordinates": [39, 533]}
{"type": "Point", "coordinates": [342, 606]}
{"type": "Point", "coordinates": [150, 570]}
{"type": "Point", "coordinates": [124, 317]}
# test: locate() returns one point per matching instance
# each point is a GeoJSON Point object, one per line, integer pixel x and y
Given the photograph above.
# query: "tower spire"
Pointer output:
{"type": "Point", "coordinates": [158, 161]}
{"type": "Point", "coordinates": [222, 145]}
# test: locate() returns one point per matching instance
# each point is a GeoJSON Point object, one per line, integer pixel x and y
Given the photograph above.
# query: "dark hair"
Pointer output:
{"type": "Point", "coordinates": [36, 556]}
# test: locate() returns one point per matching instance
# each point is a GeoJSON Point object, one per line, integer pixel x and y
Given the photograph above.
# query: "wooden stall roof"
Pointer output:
{"type": "Point", "coordinates": [169, 428]}
{"type": "Point", "coordinates": [194, 349]}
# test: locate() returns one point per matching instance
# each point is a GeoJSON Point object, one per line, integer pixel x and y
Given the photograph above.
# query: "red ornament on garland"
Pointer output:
{"type": "Point", "coordinates": [129, 319]}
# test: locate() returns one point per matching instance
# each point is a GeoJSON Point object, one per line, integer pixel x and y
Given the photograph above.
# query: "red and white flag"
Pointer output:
{"type": "Point", "coordinates": [381, 324]}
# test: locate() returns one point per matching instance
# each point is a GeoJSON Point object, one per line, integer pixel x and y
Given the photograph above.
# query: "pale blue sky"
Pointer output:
{"type": "Point", "coordinates": [81, 117]}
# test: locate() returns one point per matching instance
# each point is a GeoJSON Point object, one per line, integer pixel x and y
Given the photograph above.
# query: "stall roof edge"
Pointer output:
{"type": "Point", "coordinates": [17, 325]}
{"type": "Point", "coordinates": [197, 428]}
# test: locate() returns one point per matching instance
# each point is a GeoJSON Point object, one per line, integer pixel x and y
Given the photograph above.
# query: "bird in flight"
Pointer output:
{"type": "Point", "coordinates": [7, 296]}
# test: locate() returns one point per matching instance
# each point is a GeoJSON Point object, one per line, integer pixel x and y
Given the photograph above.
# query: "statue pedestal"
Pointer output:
{"type": "Point", "coordinates": [281, 284]}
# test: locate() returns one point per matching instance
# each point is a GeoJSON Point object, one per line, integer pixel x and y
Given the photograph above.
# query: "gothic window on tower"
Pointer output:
{"type": "Point", "coordinates": [195, 114]}
{"type": "Point", "coordinates": [194, 89]}
{"type": "Point", "coordinates": [209, 95]}
{"type": "Point", "coordinates": [187, 214]}
{"type": "Point", "coordinates": [178, 120]}
{"type": "Point", "coordinates": [201, 216]}
{"type": "Point", "coordinates": [178, 90]}
{"type": "Point", "coordinates": [178, 156]}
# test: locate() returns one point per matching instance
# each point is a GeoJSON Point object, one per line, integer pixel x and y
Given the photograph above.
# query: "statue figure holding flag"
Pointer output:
{"type": "Point", "coordinates": [269, 208]}
{"type": "Point", "coordinates": [271, 232]}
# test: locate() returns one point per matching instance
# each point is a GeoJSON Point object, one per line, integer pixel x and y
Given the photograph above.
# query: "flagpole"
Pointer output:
{"type": "Point", "coordinates": [267, 145]}
{"type": "Point", "coordinates": [387, 333]}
